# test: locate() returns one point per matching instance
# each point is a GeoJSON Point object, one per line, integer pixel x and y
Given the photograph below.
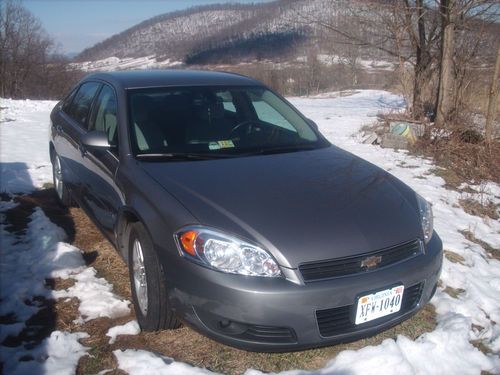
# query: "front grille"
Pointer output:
{"type": "Point", "coordinates": [352, 265]}
{"type": "Point", "coordinates": [340, 320]}
{"type": "Point", "coordinates": [269, 334]}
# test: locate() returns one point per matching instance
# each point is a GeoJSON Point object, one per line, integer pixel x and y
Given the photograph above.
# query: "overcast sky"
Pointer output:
{"type": "Point", "coordinates": [77, 24]}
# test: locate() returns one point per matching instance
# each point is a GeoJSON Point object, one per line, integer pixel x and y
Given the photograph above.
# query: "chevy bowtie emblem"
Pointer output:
{"type": "Point", "coordinates": [371, 262]}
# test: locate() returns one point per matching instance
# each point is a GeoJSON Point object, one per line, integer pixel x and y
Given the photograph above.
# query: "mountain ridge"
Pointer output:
{"type": "Point", "coordinates": [184, 34]}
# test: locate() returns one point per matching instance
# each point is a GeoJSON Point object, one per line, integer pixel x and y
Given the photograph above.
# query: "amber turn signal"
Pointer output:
{"type": "Point", "coordinates": [187, 242]}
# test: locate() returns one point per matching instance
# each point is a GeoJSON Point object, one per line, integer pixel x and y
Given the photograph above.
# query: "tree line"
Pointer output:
{"type": "Point", "coordinates": [30, 66]}
{"type": "Point", "coordinates": [440, 46]}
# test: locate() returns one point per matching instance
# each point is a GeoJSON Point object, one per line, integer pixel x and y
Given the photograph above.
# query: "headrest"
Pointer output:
{"type": "Point", "coordinates": [208, 108]}
{"type": "Point", "coordinates": [176, 102]}
{"type": "Point", "coordinates": [141, 107]}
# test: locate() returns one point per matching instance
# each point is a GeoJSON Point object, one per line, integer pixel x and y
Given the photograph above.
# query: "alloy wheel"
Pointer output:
{"type": "Point", "coordinates": [58, 181]}
{"type": "Point", "coordinates": [140, 281]}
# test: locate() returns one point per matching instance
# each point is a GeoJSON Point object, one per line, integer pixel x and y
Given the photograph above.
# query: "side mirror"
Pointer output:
{"type": "Point", "coordinates": [96, 139]}
{"type": "Point", "coordinates": [312, 124]}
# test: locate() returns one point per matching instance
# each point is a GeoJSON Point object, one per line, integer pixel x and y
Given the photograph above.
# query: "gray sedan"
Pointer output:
{"type": "Point", "coordinates": [236, 216]}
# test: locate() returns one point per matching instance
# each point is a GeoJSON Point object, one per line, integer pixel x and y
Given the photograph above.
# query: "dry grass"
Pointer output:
{"type": "Point", "coordinates": [461, 159]}
{"type": "Point", "coordinates": [100, 253]}
{"type": "Point", "coordinates": [451, 179]}
{"type": "Point", "coordinates": [486, 209]}
{"type": "Point", "coordinates": [453, 292]}
{"type": "Point", "coordinates": [454, 257]}
{"type": "Point", "coordinates": [490, 250]}
{"type": "Point", "coordinates": [479, 344]}
{"type": "Point", "coordinates": [183, 344]}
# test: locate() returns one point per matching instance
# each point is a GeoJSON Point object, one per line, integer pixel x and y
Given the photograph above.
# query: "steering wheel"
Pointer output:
{"type": "Point", "coordinates": [247, 127]}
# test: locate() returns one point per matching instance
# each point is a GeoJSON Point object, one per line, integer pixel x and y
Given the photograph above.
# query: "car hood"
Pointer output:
{"type": "Point", "coordinates": [303, 206]}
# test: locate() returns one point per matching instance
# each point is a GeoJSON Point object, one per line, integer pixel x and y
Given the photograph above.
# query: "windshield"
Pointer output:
{"type": "Point", "coordinates": [215, 121]}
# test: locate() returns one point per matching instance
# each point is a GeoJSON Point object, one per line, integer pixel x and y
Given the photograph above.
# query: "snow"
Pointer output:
{"type": "Point", "coordinates": [143, 362]}
{"type": "Point", "coordinates": [130, 328]}
{"type": "Point", "coordinates": [96, 297]}
{"type": "Point", "coordinates": [116, 63]}
{"type": "Point", "coordinates": [473, 315]}
{"type": "Point", "coordinates": [368, 64]}
{"type": "Point", "coordinates": [57, 355]}
{"type": "Point", "coordinates": [28, 259]}
{"type": "Point", "coordinates": [24, 151]}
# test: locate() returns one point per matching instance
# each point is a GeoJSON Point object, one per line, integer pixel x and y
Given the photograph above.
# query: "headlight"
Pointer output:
{"type": "Point", "coordinates": [225, 253]}
{"type": "Point", "coordinates": [426, 219]}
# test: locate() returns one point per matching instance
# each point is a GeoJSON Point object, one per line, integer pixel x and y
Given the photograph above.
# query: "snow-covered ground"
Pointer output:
{"type": "Point", "coordinates": [26, 260]}
{"type": "Point", "coordinates": [24, 144]}
{"type": "Point", "coordinates": [152, 62]}
{"type": "Point", "coordinates": [127, 63]}
{"type": "Point", "coordinates": [369, 65]}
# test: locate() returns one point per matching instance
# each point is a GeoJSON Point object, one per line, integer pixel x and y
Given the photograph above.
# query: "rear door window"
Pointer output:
{"type": "Point", "coordinates": [69, 99]}
{"type": "Point", "coordinates": [80, 106]}
{"type": "Point", "coordinates": [105, 112]}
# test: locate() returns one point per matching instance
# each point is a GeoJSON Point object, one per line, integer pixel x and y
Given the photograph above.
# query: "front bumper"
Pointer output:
{"type": "Point", "coordinates": [266, 314]}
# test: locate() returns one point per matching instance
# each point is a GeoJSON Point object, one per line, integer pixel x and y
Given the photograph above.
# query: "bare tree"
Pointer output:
{"type": "Point", "coordinates": [421, 35]}
{"type": "Point", "coordinates": [446, 92]}
{"type": "Point", "coordinates": [493, 98]}
{"type": "Point", "coordinates": [24, 48]}
{"type": "Point", "coordinates": [403, 30]}
{"type": "Point", "coordinates": [422, 41]}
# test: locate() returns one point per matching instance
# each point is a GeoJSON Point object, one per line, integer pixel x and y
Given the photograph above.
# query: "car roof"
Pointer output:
{"type": "Point", "coordinates": [163, 78]}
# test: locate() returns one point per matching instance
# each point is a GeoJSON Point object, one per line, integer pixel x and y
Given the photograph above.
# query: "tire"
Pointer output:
{"type": "Point", "coordinates": [63, 194]}
{"type": "Point", "coordinates": [147, 282]}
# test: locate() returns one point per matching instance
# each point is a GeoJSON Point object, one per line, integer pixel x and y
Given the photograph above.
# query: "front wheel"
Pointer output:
{"type": "Point", "coordinates": [148, 284]}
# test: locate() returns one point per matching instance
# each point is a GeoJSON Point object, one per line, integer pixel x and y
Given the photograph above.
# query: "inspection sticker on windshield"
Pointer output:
{"type": "Point", "coordinates": [226, 144]}
{"type": "Point", "coordinates": [377, 305]}
{"type": "Point", "coordinates": [213, 146]}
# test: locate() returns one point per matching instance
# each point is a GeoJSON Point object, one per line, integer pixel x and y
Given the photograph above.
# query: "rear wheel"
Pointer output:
{"type": "Point", "coordinates": [62, 191]}
{"type": "Point", "coordinates": [147, 281]}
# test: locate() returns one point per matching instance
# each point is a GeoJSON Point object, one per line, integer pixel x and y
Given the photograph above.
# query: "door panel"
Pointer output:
{"type": "Point", "coordinates": [70, 124]}
{"type": "Point", "coordinates": [101, 195]}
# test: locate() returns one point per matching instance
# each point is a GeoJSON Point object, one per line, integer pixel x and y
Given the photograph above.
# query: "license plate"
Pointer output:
{"type": "Point", "coordinates": [379, 304]}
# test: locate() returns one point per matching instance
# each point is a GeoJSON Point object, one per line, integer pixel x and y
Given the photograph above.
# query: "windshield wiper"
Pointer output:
{"type": "Point", "coordinates": [181, 156]}
{"type": "Point", "coordinates": [282, 149]}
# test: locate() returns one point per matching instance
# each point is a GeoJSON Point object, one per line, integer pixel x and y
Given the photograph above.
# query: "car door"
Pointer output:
{"type": "Point", "coordinates": [68, 127]}
{"type": "Point", "coordinates": [102, 196]}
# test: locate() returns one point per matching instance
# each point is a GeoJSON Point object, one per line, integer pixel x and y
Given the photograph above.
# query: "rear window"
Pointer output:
{"type": "Point", "coordinates": [69, 99]}
{"type": "Point", "coordinates": [79, 108]}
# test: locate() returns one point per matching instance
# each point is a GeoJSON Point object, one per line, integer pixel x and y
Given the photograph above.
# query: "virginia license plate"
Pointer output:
{"type": "Point", "coordinates": [377, 305]}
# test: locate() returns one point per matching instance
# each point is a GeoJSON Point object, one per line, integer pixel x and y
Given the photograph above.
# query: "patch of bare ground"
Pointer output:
{"type": "Point", "coordinates": [453, 292]}
{"type": "Point", "coordinates": [454, 257]}
{"type": "Point", "coordinates": [461, 157]}
{"type": "Point", "coordinates": [487, 209]}
{"type": "Point", "coordinates": [40, 325]}
{"type": "Point", "coordinates": [100, 253]}
{"type": "Point", "coordinates": [185, 344]}
{"type": "Point", "coordinates": [490, 250]}
{"type": "Point", "coordinates": [188, 346]}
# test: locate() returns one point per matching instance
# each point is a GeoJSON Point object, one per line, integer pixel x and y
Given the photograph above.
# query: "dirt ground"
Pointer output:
{"type": "Point", "coordinates": [183, 344]}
